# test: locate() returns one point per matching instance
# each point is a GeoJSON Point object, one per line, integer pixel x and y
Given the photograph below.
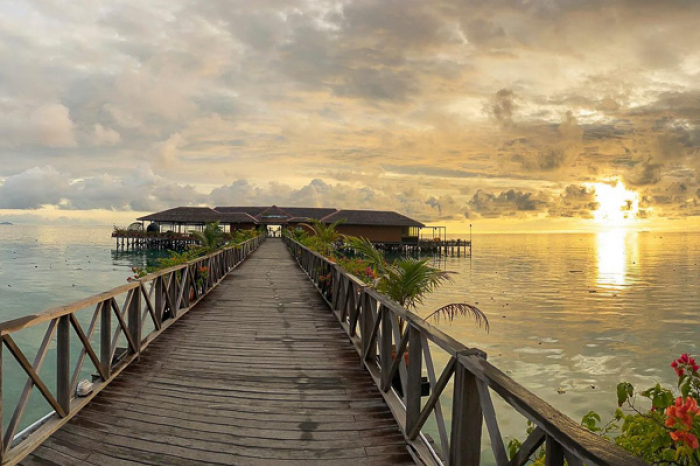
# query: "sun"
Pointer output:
{"type": "Point", "coordinates": [617, 205]}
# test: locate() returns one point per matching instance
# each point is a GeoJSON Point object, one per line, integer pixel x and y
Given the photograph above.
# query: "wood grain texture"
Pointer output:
{"type": "Point", "coordinates": [260, 373]}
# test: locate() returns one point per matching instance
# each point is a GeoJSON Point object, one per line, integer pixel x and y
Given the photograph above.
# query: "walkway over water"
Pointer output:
{"type": "Point", "coordinates": [259, 373]}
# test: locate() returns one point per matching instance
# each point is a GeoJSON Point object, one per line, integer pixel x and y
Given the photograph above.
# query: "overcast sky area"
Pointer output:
{"type": "Point", "coordinates": [450, 111]}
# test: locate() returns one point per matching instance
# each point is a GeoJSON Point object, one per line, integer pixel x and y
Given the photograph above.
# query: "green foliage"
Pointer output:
{"type": "Point", "coordinates": [372, 256]}
{"type": "Point", "coordinates": [296, 234]}
{"type": "Point", "coordinates": [359, 268]}
{"type": "Point", "coordinates": [210, 238]}
{"type": "Point", "coordinates": [326, 236]}
{"type": "Point", "coordinates": [663, 433]}
{"type": "Point", "coordinates": [407, 281]}
{"type": "Point", "coordinates": [625, 391]}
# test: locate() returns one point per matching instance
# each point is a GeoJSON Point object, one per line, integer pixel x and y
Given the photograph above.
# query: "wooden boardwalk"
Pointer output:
{"type": "Point", "coordinates": [259, 373]}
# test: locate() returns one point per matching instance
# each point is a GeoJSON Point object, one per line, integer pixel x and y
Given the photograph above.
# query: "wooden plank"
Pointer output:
{"type": "Point", "coordinates": [554, 453]}
{"type": "Point", "coordinates": [24, 397]}
{"type": "Point", "coordinates": [22, 360]}
{"type": "Point", "coordinates": [414, 374]}
{"type": "Point", "coordinates": [531, 444]}
{"type": "Point", "coordinates": [63, 373]}
{"type": "Point", "coordinates": [223, 385]}
{"type": "Point", "coordinates": [465, 439]}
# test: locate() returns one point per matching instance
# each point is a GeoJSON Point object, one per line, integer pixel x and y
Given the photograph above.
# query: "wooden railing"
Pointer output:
{"type": "Point", "coordinates": [121, 314]}
{"type": "Point", "coordinates": [382, 332]}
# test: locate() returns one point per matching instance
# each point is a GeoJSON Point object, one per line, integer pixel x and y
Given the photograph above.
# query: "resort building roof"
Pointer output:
{"type": "Point", "coordinates": [371, 217]}
{"type": "Point", "coordinates": [279, 215]}
{"type": "Point", "coordinates": [185, 215]}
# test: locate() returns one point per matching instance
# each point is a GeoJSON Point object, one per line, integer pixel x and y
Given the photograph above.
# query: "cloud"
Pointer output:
{"type": "Point", "coordinates": [102, 136]}
{"type": "Point", "coordinates": [503, 107]}
{"type": "Point", "coordinates": [506, 203]}
{"type": "Point", "coordinates": [260, 101]}
{"type": "Point", "coordinates": [34, 188]}
{"type": "Point", "coordinates": [574, 201]}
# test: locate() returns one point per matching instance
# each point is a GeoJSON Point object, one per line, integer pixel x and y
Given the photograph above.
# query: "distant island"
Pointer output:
{"type": "Point", "coordinates": [5, 223]}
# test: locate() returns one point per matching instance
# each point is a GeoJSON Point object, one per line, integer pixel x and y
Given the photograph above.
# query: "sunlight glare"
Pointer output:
{"type": "Point", "coordinates": [617, 206]}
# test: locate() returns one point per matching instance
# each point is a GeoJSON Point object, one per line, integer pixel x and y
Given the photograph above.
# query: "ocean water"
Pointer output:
{"type": "Point", "coordinates": [571, 313]}
{"type": "Point", "coordinates": [578, 313]}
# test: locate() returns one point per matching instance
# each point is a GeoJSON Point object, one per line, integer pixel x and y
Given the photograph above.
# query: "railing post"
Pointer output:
{"type": "Point", "coordinates": [368, 351]}
{"type": "Point", "coordinates": [467, 420]}
{"type": "Point", "coordinates": [134, 316]}
{"type": "Point", "coordinates": [106, 337]}
{"type": "Point", "coordinates": [160, 300]}
{"type": "Point", "coordinates": [554, 452]}
{"type": "Point", "coordinates": [414, 373]}
{"type": "Point", "coordinates": [385, 346]}
{"type": "Point", "coordinates": [63, 393]}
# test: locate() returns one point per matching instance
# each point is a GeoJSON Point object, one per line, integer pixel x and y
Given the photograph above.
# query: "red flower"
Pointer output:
{"type": "Point", "coordinates": [684, 363]}
{"type": "Point", "coordinates": [681, 414]}
{"type": "Point", "coordinates": [686, 438]}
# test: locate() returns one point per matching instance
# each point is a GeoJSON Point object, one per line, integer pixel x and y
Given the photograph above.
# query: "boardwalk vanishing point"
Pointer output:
{"type": "Point", "coordinates": [266, 353]}
{"type": "Point", "coordinates": [261, 374]}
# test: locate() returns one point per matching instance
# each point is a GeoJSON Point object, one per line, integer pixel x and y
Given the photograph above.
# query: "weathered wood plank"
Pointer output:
{"type": "Point", "coordinates": [243, 379]}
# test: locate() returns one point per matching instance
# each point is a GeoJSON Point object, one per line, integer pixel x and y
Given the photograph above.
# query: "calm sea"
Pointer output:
{"type": "Point", "coordinates": [569, 313]}
{"type": "Point", "coordinates": [578, 313]}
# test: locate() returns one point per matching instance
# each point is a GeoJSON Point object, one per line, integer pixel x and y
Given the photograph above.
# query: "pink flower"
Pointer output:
{"type": "Point", "coordinates": [684, 363]}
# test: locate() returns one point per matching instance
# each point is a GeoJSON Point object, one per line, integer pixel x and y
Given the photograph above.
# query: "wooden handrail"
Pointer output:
{"type": "Point", "coordinates": [382, 331]}
{"type": "Point", "coordinates": [163, 297]}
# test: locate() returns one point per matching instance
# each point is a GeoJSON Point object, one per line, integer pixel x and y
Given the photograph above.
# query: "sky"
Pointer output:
{"type": "Point", "coordinates": [518, 114]}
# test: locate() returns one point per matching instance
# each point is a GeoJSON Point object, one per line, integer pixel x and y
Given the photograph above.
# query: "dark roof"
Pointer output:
{"type": "Point", "coordinates": [309, 212]}
{"type": "Point", "coordinates": [237, 217]}
{"type": "Point", "coordinates": [276, 214]}
{"type": "Point", "coordinates": [198, 215]}
{"type": "Point", "coordinates": [371, 217]}
{"type": "Point", "coordinates": [273, 213]}
{"type": "Point", "coordinates": [248, 210]}
{"type": "Point", "coordinates": [184, 215]}
{"type": "Point", "coordinates": [304, 212]}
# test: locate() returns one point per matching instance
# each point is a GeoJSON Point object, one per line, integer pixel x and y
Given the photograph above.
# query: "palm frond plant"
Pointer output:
{"type": "Point", "coordinates": [407, 281]}
{"type": "Point", "coordinates": [297, 234]}
{"type": "Point", "coordinates": [373, 256]}
{"type": "Point", "coordinates": [326, 235]}
{"type": "Point", "coordinates": [209, 237]}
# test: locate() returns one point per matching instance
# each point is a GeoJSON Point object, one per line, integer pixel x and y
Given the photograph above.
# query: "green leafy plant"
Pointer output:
{"type": "Point", "coordinates": [407, 281]}
{"type": "Point", "coordinates": [665, 431]}
{"type": "Point", "coordinates": [210, 238]}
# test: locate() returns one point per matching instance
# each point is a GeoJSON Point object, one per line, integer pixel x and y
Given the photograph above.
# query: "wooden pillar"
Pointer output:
{"type": "Point", "coordinates": [467, 420]}
{"type": "Point", "coordinates": [63, 394]}
{"type": "Point", "coordinates": [414, 374]}
{"type": "Point", "coordinates": [134, 316]}
{"type": "Point", "coordinates": [555, 453]}
{"type": "Point", "coordinates": [106, 337]}
{"type": "Point", "coordinates": [385, 346]}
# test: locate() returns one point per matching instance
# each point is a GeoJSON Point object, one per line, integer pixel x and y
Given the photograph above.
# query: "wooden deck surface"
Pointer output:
{"type": "Point", "coordinates": [259, 373]}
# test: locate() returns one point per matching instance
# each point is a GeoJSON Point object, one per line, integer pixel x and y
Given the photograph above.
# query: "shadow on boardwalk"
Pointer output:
{"type": "Point", "coordinates": [259, 373]}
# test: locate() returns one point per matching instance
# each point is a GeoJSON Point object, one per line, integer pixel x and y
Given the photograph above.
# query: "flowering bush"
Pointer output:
{"type": "Point", "coordinates": [668, 432]}
{"type": "Point", "coordinates": [358, 267]}
{"type": "Point", "coordinates": [665, 433]}
{"type": "Point", "coordinates": [138, 272]}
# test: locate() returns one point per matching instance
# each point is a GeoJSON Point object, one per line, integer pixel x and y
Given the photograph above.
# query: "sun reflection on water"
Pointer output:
{"type": "Point", "coordinates": [614, 248]}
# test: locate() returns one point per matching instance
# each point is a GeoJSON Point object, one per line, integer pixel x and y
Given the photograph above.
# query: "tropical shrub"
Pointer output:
{"type": "Point", "coordinates": [665, 431]}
